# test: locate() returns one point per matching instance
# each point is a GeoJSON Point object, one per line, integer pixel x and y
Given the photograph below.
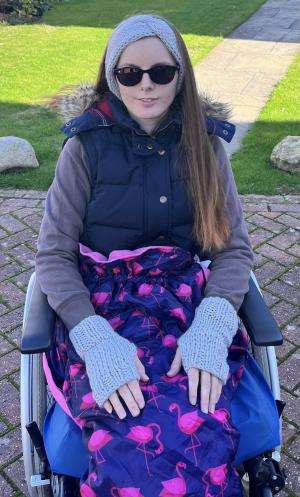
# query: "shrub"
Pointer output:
{"type": "Point", "coordinates": [7, 6]}
{"type": "Point", "coordinates": [26, 8]}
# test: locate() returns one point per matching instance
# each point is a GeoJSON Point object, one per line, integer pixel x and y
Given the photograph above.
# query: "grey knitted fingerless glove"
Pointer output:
{"type": "Point", "coordinates": [205, 343]}
{"type": "Point", "coordinates": [108, 357]}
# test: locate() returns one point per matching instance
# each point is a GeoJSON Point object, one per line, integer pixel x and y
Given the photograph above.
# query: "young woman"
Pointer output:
{"type": "Point", "coordinates": [142, 188]}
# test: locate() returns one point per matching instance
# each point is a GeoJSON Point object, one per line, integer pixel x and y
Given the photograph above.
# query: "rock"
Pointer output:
{"type": "Point", "coordinates": [16, 153]}
{"type": "Point", "coordinates": [286, 154]}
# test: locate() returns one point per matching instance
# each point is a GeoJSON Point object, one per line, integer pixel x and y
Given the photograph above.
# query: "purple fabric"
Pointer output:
{"type": "Point", "coordinates": [172, 448]}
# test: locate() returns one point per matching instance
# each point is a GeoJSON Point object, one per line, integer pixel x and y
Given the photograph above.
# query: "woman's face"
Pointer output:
{"type": "Point", "coordinates": [145, 53]}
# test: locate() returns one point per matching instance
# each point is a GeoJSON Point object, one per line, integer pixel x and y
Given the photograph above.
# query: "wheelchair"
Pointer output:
{"type": "Point", "coordinates": [261, 475]}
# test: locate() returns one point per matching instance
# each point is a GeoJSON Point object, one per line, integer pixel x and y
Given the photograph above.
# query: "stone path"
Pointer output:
{"type": "Point", "coordinates": [245, 67]}
{"type": "Point", "coordinates": [272, 223]}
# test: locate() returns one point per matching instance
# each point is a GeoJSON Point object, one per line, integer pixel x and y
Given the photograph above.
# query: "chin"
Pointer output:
{"type": "Point", "coordinates": [150, 112]}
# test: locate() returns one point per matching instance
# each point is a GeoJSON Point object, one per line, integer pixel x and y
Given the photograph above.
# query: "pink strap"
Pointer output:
{"type": "Point", "coordinates": [56, 392]}
{"type": "Point", "coordinates": [118, 254]}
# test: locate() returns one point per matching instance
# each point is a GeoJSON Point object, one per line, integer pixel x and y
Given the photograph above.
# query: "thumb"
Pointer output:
{"type": "Point", "coordinates": [141, 369]}
{"type": "Point", "coordinates": [176, 364]}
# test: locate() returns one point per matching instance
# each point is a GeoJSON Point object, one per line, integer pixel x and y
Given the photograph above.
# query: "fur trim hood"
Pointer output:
{"type": "Point", "coordinates": [72, 101]}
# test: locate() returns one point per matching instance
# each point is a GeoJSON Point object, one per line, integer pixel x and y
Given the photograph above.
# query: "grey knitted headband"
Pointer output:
{"type": "Point", "coordinates": [132, 29]}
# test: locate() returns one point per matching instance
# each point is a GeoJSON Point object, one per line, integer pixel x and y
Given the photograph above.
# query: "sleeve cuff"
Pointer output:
{"type": "Point", "coordinates": [205, 344]}
{"type": "Point", "coordinates": [74, 311]}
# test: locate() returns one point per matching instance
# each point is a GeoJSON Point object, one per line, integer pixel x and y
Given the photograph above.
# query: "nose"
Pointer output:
{"type": "Point", "coordinates": [146, 81]}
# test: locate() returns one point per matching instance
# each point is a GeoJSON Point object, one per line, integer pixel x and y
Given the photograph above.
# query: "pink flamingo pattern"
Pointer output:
{"type": "Point", "coordinates": [216, 477]}
{"type": "Point", "coordinates": [97, 441]}
{"type": "Point", "coordinates": [75, 370]}
{"type": "Point", "coordinates": [150, 323]}
{"type": "Point", "coordinates": [100, 298]}
{"type": "Point", "coordinates": [141, 353]}
{"type": "Point", "coordinates": [87, 491]}
{"type": "Point", "coordinates": [189, 423]}
{"type": "Point", "coordinates": [152, 389]}
{"type": "Point", "coordinates": [150, 299]}
{"type": "Point", "coordinates": [88, 401]}
{"type": "Point", "coordinates": [143, 435]}
{"type": "Point", "coordinates": [126, 492]}
{"type": "Point", "coordinates": [184, 291]}
{"type": "Point", "coordinates": [223, 417]}
{"type": "Point", "coordinates": [179, 378]}
{"type": "Point", "coordinates": [169, 340]}
{"type": "Point", "coordinates": [175, 487]}
{"type": "Point", "coordinates": [86, 488]}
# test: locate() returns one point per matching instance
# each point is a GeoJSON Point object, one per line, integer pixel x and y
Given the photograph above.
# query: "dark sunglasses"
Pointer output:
{"type": "Point", "coordinates": [130, 76]}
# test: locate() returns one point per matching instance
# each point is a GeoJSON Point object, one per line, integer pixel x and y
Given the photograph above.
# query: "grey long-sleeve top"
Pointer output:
{"type": "Point", "coordinates": [62, 224]}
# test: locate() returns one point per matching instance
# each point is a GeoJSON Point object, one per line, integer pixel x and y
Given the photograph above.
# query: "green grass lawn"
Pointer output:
{"type": "Point", "coordinates": [65, 47]}
{"type": "Point", "coordinates": [279, 118]}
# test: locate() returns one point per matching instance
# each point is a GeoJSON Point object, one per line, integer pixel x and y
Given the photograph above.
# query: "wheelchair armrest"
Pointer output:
{"type": "Point", "coordinates": [257, 318]}
{"type": "Point", "coordinates": [38, 323]}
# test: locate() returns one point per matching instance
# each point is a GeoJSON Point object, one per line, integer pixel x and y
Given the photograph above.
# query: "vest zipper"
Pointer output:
{"type": "Point", "coordinates": [145, 220]}
{"type": "Point", "coordinates": [155, 135]}
{"type": "Point", "coordinates": [162, 129]}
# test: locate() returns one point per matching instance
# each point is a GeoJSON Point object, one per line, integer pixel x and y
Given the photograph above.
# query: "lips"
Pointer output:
{"type": "Point", "coordinates": [147, 99]}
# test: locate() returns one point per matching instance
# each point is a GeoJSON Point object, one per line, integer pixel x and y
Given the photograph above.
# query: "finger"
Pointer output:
{"type": "Point", "coordinates": [129, 400]}
{"type": "Point", "coordinates": [107, 405]}
{"type": "Point", "coordinates": [193, 378]}
{"type": "Point", "coordinates": [141, 369]}
{"type": "Point", "coordinates": [214, 393]}
{"type": "Point", "coordinates": [205, 390]}
{"type": "Point", "coordinates": [220, 386]}
{"type": "Point", "coordinates": [135, 389]}
{"type": "Point", "coordinates": [176, 364]}
{"type": "Point", "coordinates": [116, 403]}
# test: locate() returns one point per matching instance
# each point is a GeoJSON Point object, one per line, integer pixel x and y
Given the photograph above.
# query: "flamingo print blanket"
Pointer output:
{"type": "Point", "coordinates": [172, 448]}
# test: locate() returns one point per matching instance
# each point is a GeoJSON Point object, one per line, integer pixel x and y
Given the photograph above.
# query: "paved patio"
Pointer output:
{"type": "Point", "coordinates": [273, 223]}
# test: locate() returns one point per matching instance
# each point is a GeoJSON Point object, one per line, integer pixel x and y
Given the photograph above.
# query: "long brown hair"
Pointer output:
{"type": "Point", "coordinates": [198, 162]}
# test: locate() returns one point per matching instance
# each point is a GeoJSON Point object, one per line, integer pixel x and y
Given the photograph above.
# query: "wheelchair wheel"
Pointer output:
{"type": "Point", "coordinates": [33, 408]}
{"type": "Point", "coordinates": [35, 401]}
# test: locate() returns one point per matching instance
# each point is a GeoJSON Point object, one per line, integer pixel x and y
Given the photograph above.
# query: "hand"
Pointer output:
{"type": "Point", "coordinates": [131, 394]}
{"type": "Point", "coordinates": [210, 389]}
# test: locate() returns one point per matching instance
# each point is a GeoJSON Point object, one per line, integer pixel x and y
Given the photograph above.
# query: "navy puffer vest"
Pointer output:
{"type": "Point", "coordinates": [138, 197]}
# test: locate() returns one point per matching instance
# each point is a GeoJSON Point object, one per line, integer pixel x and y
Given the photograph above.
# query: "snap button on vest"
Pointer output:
{"type": "Point", "coordinates": [150, 147]}
{"type": "Point", "coordinates": [161, 152]}
{"type": "Point", "coordinates": [163, 199]}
